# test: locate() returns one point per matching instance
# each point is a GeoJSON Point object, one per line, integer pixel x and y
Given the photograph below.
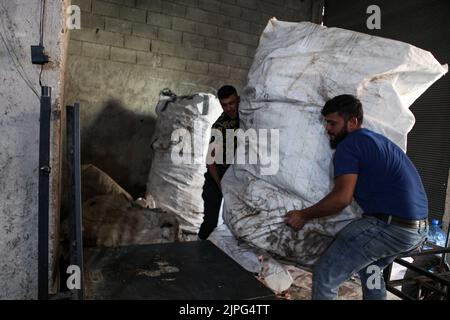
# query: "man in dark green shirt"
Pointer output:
{"type": "Point", "coordinates": [212, 191]}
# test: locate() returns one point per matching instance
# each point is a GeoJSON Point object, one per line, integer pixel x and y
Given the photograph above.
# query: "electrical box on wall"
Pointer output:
{"type": "Point", "coordinates": [38, 56]}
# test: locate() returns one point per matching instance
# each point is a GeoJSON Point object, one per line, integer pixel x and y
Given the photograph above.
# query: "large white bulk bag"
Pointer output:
{"type": "Point", "coordinates": [297, 68]}
{"type": "Point", "coordinates": [180, 144]}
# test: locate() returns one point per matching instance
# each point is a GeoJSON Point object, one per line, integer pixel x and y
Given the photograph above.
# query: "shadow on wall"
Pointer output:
{"type": "Point", "coordinates": [119, 142]}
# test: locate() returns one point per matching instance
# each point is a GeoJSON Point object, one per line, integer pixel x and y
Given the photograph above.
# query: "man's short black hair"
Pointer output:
{"type": "Point", "coordinates": [346, 105]}
{"type": "Point", "coordinates": [226, 91]}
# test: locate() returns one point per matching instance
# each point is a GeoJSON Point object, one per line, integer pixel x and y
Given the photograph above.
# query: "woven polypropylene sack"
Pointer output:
{"type": "Point", "coordinates": [177, 187]}
{"type": "Point", "coordinates": [297, 68]}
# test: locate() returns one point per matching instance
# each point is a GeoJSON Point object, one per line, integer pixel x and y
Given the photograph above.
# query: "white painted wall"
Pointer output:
{"type": "Point", "coordinates": [19, 139]}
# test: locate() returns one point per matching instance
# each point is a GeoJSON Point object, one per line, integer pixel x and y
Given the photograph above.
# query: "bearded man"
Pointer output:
{"type": "Point", "coordinates": [384, 182]}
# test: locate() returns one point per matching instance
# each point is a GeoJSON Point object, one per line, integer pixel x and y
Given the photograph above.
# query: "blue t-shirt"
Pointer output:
{"type": "Point", "coordinates": [387, 181]}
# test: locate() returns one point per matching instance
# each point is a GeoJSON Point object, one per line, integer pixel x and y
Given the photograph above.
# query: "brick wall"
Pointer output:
{"type": "Point", "coordinates": [128, 50]}
{"type": "Point", "coordinates": [212, 38]}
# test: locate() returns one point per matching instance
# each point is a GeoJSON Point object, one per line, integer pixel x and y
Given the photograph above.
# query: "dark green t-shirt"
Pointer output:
{"type": "Point", "coordinates": [223, 123]}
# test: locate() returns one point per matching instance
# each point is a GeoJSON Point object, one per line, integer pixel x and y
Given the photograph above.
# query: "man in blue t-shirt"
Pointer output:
{"type": "Point", "coordinates": [382, 179]}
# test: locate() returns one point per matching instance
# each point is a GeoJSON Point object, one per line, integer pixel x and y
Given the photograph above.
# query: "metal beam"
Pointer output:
{"type": "Point", "coordinates": [43, 193]}
{"type": "Point", "coordinates": [75, 215]}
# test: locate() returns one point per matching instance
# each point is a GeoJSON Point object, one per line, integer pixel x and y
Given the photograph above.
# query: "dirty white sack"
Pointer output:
{"type": "Point", "coordinates": [267, 269]}
{"type": "Point", "coordinates": [297, 68]}
{"type": "Point", "coordinates": [176, 185]}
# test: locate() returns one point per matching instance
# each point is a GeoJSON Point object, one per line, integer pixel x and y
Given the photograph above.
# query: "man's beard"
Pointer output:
{"type": "Point", "coordinates": [338, 138]}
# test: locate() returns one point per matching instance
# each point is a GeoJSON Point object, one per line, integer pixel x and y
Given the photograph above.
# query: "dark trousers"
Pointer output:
{"type": "Point", "coordinates": [212, 199]}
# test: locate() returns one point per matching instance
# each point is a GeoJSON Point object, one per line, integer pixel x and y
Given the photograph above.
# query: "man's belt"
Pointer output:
{"type": "Point", "coordinates": [389, 219]}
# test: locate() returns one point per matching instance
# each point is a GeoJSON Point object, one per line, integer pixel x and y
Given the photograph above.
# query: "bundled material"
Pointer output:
{"type": "Point", "coordinates": [111, 221]}
{"type": "Point", "coordinates": [180, 145]}
{"type": "Point", "coordinates": [111, 218]}
{"type": "Point", "coordinates": [95, 182]}
{"type": "Point", "coordinates": [297, 68]}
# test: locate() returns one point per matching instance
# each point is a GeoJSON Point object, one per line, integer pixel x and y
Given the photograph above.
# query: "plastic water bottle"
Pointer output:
{"type": "Point", "coordinates": [436, 235]}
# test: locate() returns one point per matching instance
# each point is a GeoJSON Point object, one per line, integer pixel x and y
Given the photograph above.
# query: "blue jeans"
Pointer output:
{"type": "Point", "coordinates": [364, 246]}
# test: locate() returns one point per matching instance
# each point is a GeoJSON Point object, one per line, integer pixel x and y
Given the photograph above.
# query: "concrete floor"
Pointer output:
{"type": "Point", "coordinates": [301, 288]}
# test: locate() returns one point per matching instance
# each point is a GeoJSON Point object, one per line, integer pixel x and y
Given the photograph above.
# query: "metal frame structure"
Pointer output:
{"type": "Point", "coordinates": [74, 206]}
{"type": "Point", "coordinates": [436, 282]}
{"type": "Point", "coordinates": [44, 192]}
{"type": "Point", "coordinates": [75, 218]}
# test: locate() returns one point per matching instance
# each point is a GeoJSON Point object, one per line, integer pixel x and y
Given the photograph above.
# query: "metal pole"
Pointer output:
{"type": "Point", "coordinates": [44, 178]}
{"type": "Point", "coordinates": [76, 237]}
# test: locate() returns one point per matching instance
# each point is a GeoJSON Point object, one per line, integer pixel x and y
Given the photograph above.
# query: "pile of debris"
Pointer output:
{"type": "Point", "coordinates": [111, 218]}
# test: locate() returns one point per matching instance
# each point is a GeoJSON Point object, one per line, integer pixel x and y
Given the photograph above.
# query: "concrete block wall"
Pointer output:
{"type": "Point", "coordinates": [128, 50]}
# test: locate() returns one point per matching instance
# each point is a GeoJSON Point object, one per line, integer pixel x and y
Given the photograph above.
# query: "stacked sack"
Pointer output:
{"type": "Point", "coordinates": [180, 145]}
{"type": "Point", "coordinates": [297, 68]}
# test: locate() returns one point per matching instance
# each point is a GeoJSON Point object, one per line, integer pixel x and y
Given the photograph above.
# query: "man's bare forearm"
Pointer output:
{"type": "Point", "coordinates": [333, 203]}
{"type": "Point", "coordinates": [328, 206]}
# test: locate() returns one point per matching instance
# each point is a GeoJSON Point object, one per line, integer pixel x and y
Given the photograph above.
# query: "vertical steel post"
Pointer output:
{"type": "Point", "coordinates": [75, 218]}
{"type": "Point", "coordinates": [44, 178]}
